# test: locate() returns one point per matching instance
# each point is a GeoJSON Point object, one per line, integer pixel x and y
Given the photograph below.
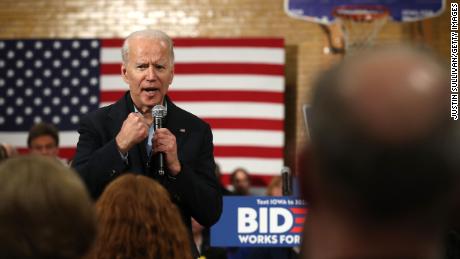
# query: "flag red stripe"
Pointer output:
{"type": "Point", "coordinates": [208, 42]}
{"type": "Point", "coordinates": [226, 96]}
{"type": "Point", "coordinates": [211, 68]}
{"type": "Point", "coordinates": [299, 220]}
{"type": "Point", "coordinates": [240, 151]}
{"type": "Point", "coordinates": [208, 96]}
{"type": "Point", "coordinates": [67, 153]}
{"type": "Point", "coordinates": [296, 230]}
{"type": "Point", "coordinates": [299, 210]}
{"type": "Point", "coordinates": [256, 180]}
{"type": "Point", "coordinates": [259, 124]}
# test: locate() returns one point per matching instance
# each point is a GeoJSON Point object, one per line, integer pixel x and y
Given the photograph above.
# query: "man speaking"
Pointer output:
{"type": "Point", "coordinates": [122, 137]}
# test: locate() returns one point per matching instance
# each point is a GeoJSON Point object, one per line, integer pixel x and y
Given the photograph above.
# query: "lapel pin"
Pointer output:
{"type": "Point", "coordinates": [182, 130]}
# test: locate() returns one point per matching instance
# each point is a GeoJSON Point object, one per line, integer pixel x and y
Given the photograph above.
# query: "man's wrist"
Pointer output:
{"type": "Point", "coordinates": [121, 148]}
{"type": "Point", "coordinates": [175, 169]}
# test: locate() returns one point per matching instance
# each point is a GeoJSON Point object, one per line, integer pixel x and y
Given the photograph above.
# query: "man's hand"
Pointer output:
{"type": "Point", "coordinates": [134, 130]}
{"type": "Point", "coordinates": [164, 141]}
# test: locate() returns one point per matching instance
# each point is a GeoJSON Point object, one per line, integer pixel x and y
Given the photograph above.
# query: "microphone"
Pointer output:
{"type": "Point", "coordinates": [286, 181]}
{"type": "Point", "coordinates": [158, 113]}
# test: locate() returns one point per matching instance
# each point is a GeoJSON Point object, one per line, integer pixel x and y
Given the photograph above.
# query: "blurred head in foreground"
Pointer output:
{"type": "Point", "coordinates": [138, 220]}
{"type": "Point", "coordinates": [381, 168]}
{"type": "Point", "coordinates": [45, 210]}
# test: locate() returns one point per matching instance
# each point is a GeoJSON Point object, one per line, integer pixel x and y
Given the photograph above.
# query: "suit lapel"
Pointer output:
{"type": "Point", "coordinates": [176, 125]}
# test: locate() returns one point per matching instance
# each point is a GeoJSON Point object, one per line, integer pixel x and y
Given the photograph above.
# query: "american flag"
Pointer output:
{"type": "Point", "coordinates": [236, 85]}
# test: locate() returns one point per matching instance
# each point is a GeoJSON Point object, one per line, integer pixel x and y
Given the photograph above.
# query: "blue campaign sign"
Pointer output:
{"type": "Point", "coordinates": [259, 221]}
{"type": "Point", "coordinates": [401, 11]}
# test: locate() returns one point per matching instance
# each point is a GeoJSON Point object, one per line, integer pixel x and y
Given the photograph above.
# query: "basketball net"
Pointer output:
{"type": "Point", "coordinates": [360, 25]}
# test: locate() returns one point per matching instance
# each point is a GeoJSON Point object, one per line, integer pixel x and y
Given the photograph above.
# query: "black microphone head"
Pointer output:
{"type": "Point", "coordinates": [159, 111]}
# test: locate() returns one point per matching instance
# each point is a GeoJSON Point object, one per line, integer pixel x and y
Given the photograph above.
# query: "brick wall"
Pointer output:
{"type": "Point", "coordinates": [305, 41]}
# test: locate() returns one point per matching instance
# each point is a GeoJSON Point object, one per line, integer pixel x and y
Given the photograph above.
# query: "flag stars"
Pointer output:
{"type": "Point", "coordinates": [10, 73]}
{"type": "Point", "coordinates": [38, 63]}
{"type": "Point", "coordinates": [38, 82]}
{"type": "Point", "coordinates": [37, 101]}
{"type": "Point", "coordinates": [38, 45]}
{"type": "Point", "coordinates": [47, 92]}
{"type": "Point", "coordinates": [47, 80]}
{"type": "Point", "coordinates": [9, 111]}
{"type": "Point", "coordinates": [94, 44]}
{"type": "Point", "coordinates": [75, 63]}
{"type": "Point", "coordinates": [84, 90]}
{"type": "Point", "coordinates": [66, 53]}
{"type": "Point", "coordinates": [2, 120]}
{"type": "Point", "coordinates": [75, 81]}
{"type": "Point", "coordinates": [28, 92]}
{"type": "Point", "coordinates": [28, 110]}
{"type": "Point", "coordinates": [19, 120]}
{"type": "Point", "coordinates": [74, 119]}
{"type": "Point", "coordinates": [83, 109]}
{"type": "Point", "coordinates": [29, 73]}
{"type": "Point", "coordinates": [84, 72]}
{"type": "Point", "coordinates": [19, 101]}
{"type": "Point", "coordinates": [10, 54]}
{"type": "Point", "coordinates": [19, 45]}
{"type": "Point", "coordinates": [65, 110]}
{"type": "Point", "coordinates": [57, 45]}
{"type": "Point", "coordinates": [56, 101]}
{"type": "Point", "coordinates": [46, 110]}
{"type": "Point", "coordinates": [47, 54]}
{"type": "Point", "coordinates": [84, 53]}
{"type": "Point", "coordinates": [56, 82]}
{"type": "Point", "coordinates": [93, 81]}
{"type": "Point", "coordinates": [65, 72]}
{"type": "Point", "coordinates": [56, 63]}
{"type": "Point", "coordinates": [75, 44]}
{"type": "Point", "coordinates": [74, 100]}
{"type": "Point", "coordinates": [19, 63]}
{"type": "Point", "coordinates": [47, 73]}
{"type": "Point", "coordinates": [56, 119]}
{"type": "Point", "coordinates": [29, 54]}
{"type": "Point", "coordinates": [93, 99]}
{"type": "Point", "coordinates": [94, 62]}
{"type": "Point", "coordinates": [65, 91]}
{"type": "Point", "coordinates": [19, 82]}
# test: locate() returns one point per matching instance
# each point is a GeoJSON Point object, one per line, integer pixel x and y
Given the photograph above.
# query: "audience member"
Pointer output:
{"type": "Point", "coordinates": [3, 152]}
{"type": "Point", "coordinates": [223, 190]}
{"type": "Point", "coordinates": [275, 187]}
{"type": "Point", "coordinates": [241, 182]}
{"type": "Point", "coordinates": [138, 220]}
{"type": "Point", "coordinates": [382, 168]}
{"type": "Point", "coordinates": [7, 151]}
{"type": "Point", "coordinates": [43, 139]}
{"type": "Point", "coordinates": [201, 236]}
{"type": "Point", "coordinates": [45, 210]}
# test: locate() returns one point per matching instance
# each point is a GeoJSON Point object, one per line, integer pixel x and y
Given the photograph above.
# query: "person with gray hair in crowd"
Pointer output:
{"type": "Point", "coordinates": [122, 137]}
{"type": "Point", "coordinates": [381, 174]}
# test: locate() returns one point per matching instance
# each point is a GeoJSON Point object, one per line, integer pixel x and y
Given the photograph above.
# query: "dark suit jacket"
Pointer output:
{"type": "Point", "coordinates": [195, 189]}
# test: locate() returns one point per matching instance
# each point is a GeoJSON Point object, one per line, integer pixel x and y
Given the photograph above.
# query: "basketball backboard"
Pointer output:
{"type": "Point", "coordinates": [320, 11]}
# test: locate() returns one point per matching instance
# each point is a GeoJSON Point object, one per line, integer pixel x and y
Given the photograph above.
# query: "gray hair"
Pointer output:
{"type": "Point", "coordinates": [148, 34]}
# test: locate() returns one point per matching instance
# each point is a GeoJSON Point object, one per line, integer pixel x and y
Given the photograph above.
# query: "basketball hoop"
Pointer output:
{"type": "Point", "coordinates": [360, 24]}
